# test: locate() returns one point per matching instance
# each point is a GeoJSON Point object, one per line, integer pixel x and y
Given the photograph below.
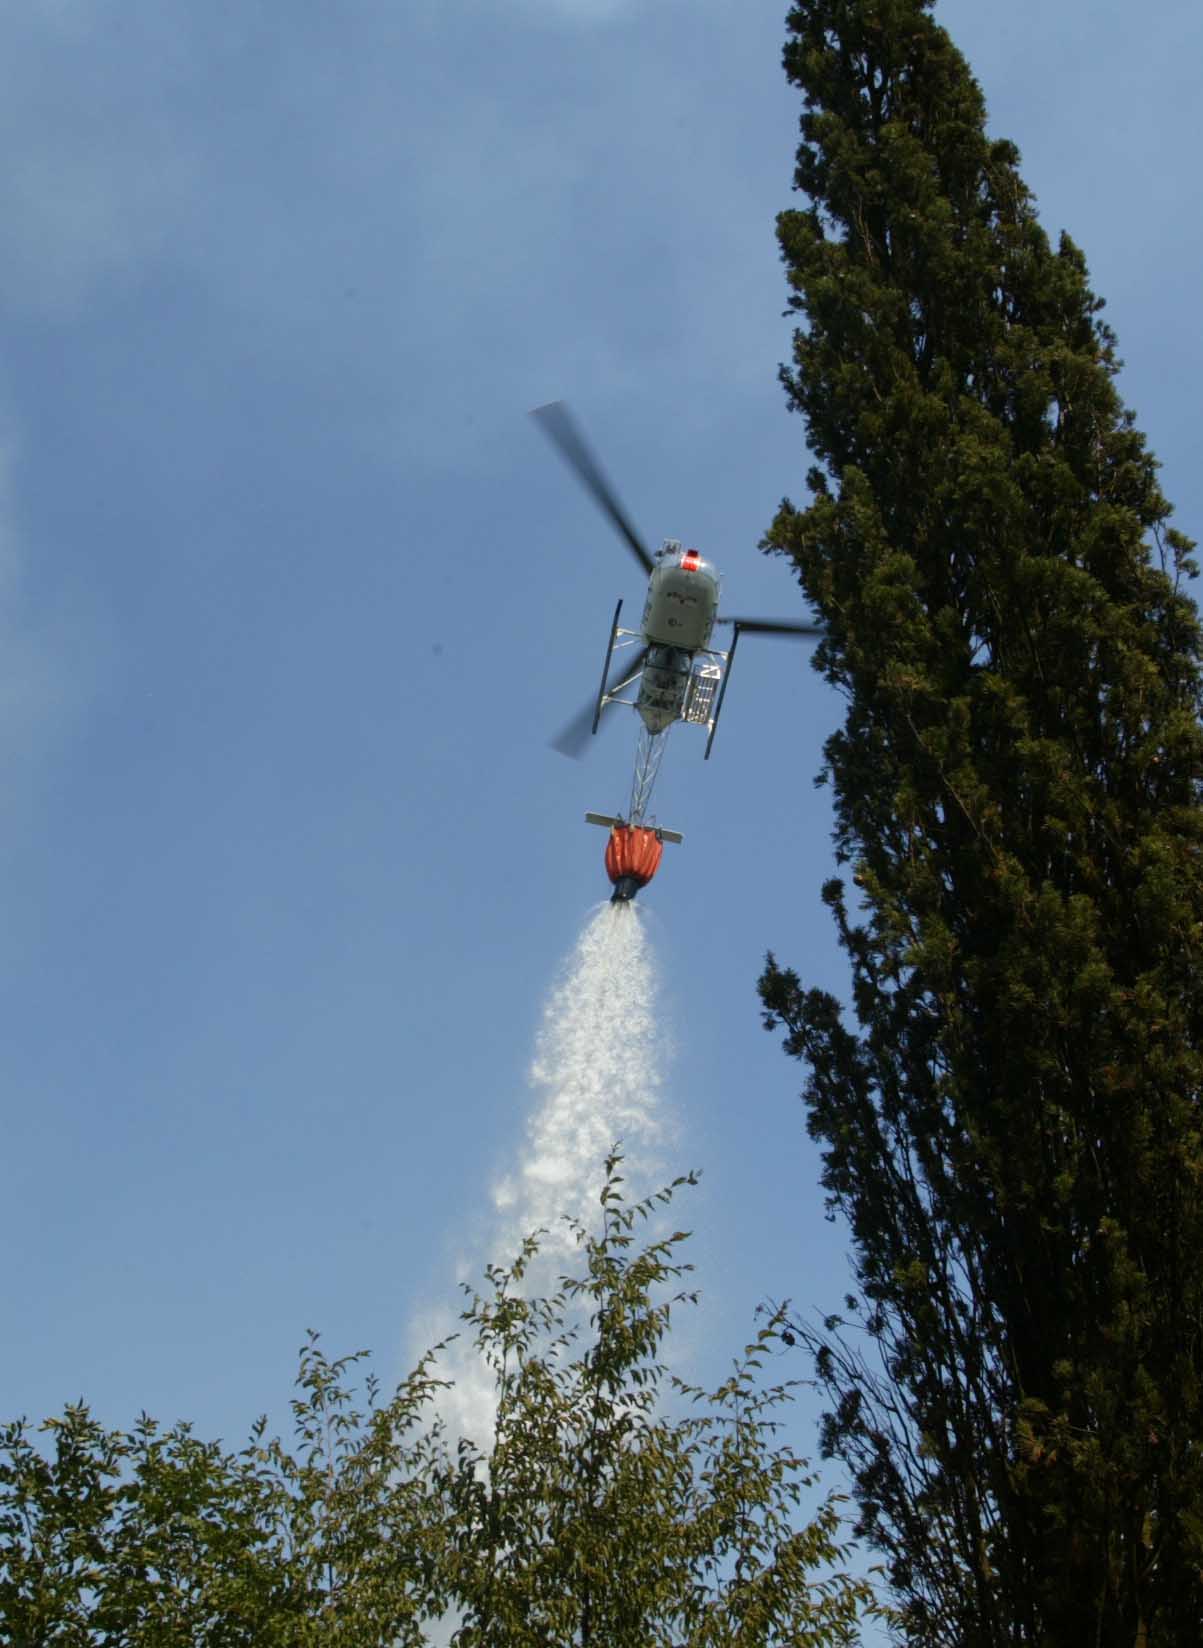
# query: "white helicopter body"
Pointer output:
{"type": "Point", "coordinates": [674, 671]}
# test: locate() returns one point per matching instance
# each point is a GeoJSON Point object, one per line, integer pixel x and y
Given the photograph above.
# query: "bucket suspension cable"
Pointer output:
{"type": "Point", "coordinates": [648, 754]}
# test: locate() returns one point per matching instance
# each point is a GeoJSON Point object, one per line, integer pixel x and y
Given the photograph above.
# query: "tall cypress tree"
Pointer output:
{"type": "Point", "coordinates": [1013, 1129]}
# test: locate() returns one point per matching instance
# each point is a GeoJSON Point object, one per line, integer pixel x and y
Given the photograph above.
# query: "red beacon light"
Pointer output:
{"type": "Point", "coordinates": [690, 561]}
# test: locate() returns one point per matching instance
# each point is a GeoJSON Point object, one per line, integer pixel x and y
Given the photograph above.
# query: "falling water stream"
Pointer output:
{"type": "Point", "coordinates": [595, 1081]}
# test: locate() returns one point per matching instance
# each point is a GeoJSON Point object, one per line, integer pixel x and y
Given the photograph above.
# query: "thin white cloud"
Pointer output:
{"type": "Point", "coordinates": [579, 11]}
{"type": "Point", "coordinates": [97, 176]}
{"type": "Point", "coordinates": [52, 661]}
{"type": "Point", "coordinates": [367, 206]}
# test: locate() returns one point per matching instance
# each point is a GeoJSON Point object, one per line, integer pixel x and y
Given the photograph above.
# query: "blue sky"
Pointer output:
{"type": "Point", "coordinates": [292, 596]}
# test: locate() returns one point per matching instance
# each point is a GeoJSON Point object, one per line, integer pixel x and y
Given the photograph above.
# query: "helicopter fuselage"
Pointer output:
{"type": "Point", "coordinates": [678, 617]}
{"type": "Point", "coordinates": [676, 674]}
{"type": "Point", "coordinates": [682, 600]}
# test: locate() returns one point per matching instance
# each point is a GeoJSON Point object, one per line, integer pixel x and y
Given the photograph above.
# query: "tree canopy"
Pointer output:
{"type": "Point", "coordinates": [1012, 1130]}
{"type": "Point", "coordinates": [612, 1504]}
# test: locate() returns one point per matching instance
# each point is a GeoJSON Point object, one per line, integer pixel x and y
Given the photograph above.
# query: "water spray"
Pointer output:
{"type": "Point", "coordinates": [595, 1080]}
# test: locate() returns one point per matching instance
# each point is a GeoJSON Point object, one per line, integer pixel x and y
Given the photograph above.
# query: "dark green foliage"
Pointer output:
{"type": "Point", "coordinates": [593, 1516]}
{"type": "Point", "coordinates": [599, 1516]}
{"type": "Point", "coordinates": [1014, 1133]}
{"type": "Point", "coordinates": [158, 1540]}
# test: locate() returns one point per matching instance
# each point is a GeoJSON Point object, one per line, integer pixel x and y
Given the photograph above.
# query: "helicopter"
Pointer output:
{"type": "Point", "coordinates": [668, 663]}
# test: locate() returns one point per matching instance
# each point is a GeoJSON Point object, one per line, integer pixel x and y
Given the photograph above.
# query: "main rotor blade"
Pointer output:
{"type": "Point", "coordinates": [572, 740]}
{"type": "Point", "coordinates": [558, 424]}
{"type": "Point", "coordinates": [772, 626]}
